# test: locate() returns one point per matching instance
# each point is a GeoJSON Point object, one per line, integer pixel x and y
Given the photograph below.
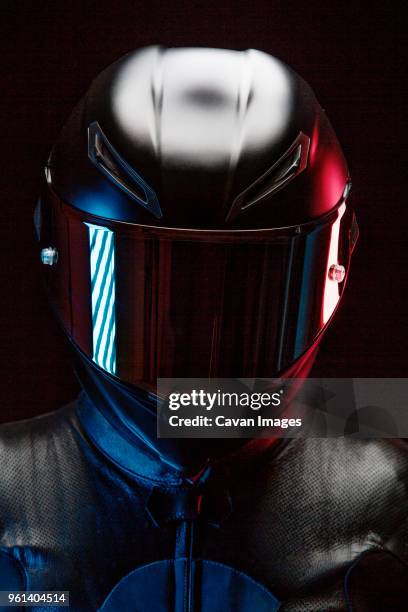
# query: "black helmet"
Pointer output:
{"type": "Point", "coordinates": [194, 218]}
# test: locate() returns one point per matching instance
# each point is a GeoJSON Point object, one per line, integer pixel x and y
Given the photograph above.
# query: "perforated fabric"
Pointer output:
{"type": "Point", "coordinates": [73, 520]}
{"type": "Point", "coordinates": [302, 513]}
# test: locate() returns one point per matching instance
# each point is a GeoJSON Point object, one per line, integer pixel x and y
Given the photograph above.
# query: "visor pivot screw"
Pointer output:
{"type": "Point", "coordinates": [47, 171]}
{"type": "Point", "coordinates": [49, 256]}
{"type": "Point", "coordinates": [337, 273]}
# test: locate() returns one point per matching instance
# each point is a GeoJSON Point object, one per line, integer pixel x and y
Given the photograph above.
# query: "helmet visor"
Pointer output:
{"type": "Point", "coordinates": [145, 302]}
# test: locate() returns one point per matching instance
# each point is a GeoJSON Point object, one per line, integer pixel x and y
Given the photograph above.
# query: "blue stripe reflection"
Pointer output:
{"type": "Point", "coordinates": [102, 260]}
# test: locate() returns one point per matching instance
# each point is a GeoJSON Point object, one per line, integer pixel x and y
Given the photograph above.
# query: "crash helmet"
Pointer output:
{"type": "Point", "coordinates": [194, 219]}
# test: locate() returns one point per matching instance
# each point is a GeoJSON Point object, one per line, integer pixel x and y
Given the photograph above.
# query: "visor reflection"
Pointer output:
{"type": "Point", "coordinates": [332, 291]}
{"type": "Point", "coordinates": [145, 302]}
{"type": "Point", "coordinates": [102, 267]}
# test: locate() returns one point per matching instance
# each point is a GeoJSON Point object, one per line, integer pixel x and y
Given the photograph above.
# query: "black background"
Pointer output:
{"type": "Point", "coordinates": [354, 57]}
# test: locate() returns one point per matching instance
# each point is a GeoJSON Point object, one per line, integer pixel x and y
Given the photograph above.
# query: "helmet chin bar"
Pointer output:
{"type": "Point", "coordinates": [131, 411]}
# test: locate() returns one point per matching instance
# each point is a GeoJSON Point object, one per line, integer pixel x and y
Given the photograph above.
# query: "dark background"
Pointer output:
{"type": "Point", "coordinates": [352, 54]}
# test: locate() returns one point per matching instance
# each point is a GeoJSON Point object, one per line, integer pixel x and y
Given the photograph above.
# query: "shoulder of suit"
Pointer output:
{"type": "Point", "coordinates": [27, 445]}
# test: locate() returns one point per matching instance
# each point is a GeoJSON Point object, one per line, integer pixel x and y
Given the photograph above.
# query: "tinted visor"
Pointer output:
{"type": "Point", "coordinates": [145, 302]}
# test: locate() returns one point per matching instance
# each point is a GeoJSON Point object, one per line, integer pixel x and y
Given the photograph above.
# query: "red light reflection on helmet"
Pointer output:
{"type": "Point", "coordinates": [331, 287]}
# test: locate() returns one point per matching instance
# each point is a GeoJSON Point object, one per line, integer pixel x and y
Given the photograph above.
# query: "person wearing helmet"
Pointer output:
{"type": "Point", "coordinates": [195, 222]}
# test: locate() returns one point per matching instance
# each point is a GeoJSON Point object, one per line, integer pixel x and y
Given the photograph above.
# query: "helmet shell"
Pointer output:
{"type": "Point", "coordinates": [205, 130]}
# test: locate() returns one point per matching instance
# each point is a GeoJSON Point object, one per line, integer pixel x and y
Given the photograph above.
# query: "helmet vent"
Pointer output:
{"type": "Point", "coordinates": [118, 171]}
{"type": "Point", "coordinates": [292, 163]}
